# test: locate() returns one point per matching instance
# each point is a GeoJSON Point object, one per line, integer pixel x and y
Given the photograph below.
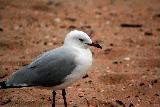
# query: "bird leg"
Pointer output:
{"type": "Point", "coordinates": [53, 95]}
{"type": "Point", "coordinates": [64, 97]}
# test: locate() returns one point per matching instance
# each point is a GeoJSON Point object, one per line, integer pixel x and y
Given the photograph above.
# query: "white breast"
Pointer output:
{"type": "Point", "coordinates": [84, 61]}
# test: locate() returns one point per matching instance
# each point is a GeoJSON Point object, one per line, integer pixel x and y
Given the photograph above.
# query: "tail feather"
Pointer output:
{"type": "Point", "coordinates": [3, 85]}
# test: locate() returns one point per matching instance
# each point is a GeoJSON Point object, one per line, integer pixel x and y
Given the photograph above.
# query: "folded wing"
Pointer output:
{"type": "Point", "coordinates": [49, 69]}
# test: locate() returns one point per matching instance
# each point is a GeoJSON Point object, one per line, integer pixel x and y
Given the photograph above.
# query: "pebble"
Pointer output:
{"type": "Point", "coordinates": [107, 68]}
{"type": "Point", "coordinates": [127, 59]}
{"type": "Point", "coordinates": [120, 103]}
{"type": "Point", "coordinates": [148, 34]}
{"type": "Point", "coordinates": [45, 43]}
{"type": "Point", "coordinates": [70, 87]}
{"type": "Point", "coordinates": [127, 65]}
{"type": "Point", "coordinates": [108, 22]}
{"type": "Point", "coordinates": [86, 76]}
{"type": "Point", "coordinates": [71, 27]}
{"type": "Point", "coordinates": [141, 84]}
{"type": "Point", "coordinates": [101, 91]}
{"type": "Point", "coordinates": [150, 86]}
{"type": "Point", "coordinates": [1, 29]}
{"type": "Point", "coordinates": [115, 62]}
{"type": "Point", "coordinates": [57, 20]}
{"type": "Point", "coordinates": [131, 105]}
{"type": "Point", "coordinates": [108, 71]}
{"type": "Point", "coordinates": [158, 29]}
{"type": "Point", "coordinates": [47, 37]}
{"type": "Point", "coordinates": [16, 27]}
{"type": "Point", "coordinates": [50, 43]}
{"type": "Point", "coordinates": [111, 44]}
{"type": "Point", "coordinates": [71, 19]}
{"type": "Point", "coordinates": [107, 51]}
{"type": "Point", "coordinates": [156, 94]}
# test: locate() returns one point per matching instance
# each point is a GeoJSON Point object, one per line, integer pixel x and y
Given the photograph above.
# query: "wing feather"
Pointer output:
{"type": "Point", "coordinates": [49, 69]}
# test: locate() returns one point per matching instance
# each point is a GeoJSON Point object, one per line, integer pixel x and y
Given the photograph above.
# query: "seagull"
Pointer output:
{"type": "Point", "coordinates": [58, 68]}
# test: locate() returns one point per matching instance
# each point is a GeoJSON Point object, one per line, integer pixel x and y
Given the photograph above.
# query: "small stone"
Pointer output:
{"type": "Point", "coordinates": [127, 58]}
{"type": "Point", "coordinates": [80, 95]}
{"type": "Point", "coordinates": [141, 84]}
{"type": "Point", "coordinates": [57, 20]}
{"type": "Point", "coordinates": [107, 68]}
{"type": "Point", "coordinates": [62, 26]}
{"type": "Point", "coordinates": [156, 94]}
{"type": "Point", "coordinates": [136, 96]}
{"type": "Point", "coordinates": [94, 97]}
{"type": "Point", "coordinates": [131, 105]}
{"type": "Point", "coordinates": [71, 19]}
{"type": "Point", "coordinates": [110, 104]}
{"type": "Point", "coordinates": [148, 34]}
{"type": "Point", "coordinates": [127, 65]}
{"type": "Point", "coordinates": [47, 37]}
{"type": "Point", "coordinates": [71, 27]}
{"type": "Point", "coordinates": [111, 44]}
{"type": "Point", "coordinates": [155, 81]}
{"type": "Point", "coordinates": [150, 86]}
{"type": "Point", "coordinates": [86, 76]}
{"type": "Point", "coordinates": [107, 51]}
{"type": "Point", "coordinates": [90, 81]}
{"type": "Point", "coordinates": [115, 62]}
{"type": "Point", "coordinates": [70, 87]}
{"type": "Point", "coordinates": [75, 105]}
{"type": "Point", "coordinates": [120, 103]}
{"type": "Point", "coordinates": [42, 98]}
{"type": "Point", "coordinates": [1, 29]}
{"type": "Point", "coordinates": [102, 91]}
{"type": "Point", "coordinates": [108, 22]}
{"type": "Point", "coordinates": [130, 84]}
{"type": "Point", "coordinates": [45, 43]}
{"type": "Point", "coordinates": [78, 85]}
{"type": "Point", "coordinates": [108, 71]}
{"type": "Point", "coordinates": [49, 99]}
{"type": "Point", "coordinates": [16, 27]}
{"type": "Point", "coordinates": [6, 69]}
{"type": "Point", "coordinates": [50, 43]}
{"type": "Point", "coordinates": [158, 29]}
{"type": "Point", "coordinates": [128, 96]}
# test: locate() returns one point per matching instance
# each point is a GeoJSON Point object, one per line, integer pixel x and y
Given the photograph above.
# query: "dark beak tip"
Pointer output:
{"type": "Point", "coordinates": [96, 45]}
{"type": "Point", "coordinates": [99, 46]}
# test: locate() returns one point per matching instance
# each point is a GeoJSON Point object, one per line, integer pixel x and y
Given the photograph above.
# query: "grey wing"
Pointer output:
{"type": "Point", "coordinates": [47, 70]}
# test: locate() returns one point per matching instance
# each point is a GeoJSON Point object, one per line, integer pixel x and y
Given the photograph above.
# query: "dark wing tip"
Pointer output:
{"type": "Point", "coordinates": [3, 85]}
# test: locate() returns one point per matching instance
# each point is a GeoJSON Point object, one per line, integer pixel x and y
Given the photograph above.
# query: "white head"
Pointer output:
{"type": "Point", "coordinates": [79, 39]}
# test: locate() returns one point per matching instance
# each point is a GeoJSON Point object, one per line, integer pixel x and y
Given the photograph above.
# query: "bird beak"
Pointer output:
{"type": "Point", "coordinates": [95, 45]}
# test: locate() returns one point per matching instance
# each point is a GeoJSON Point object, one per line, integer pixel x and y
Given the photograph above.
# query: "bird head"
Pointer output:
{"type": "Point", "coordinates": [79, 39]}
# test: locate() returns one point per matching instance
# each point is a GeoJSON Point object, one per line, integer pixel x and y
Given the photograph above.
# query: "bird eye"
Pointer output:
{"type": "Point", "coordinates": [81, 40]}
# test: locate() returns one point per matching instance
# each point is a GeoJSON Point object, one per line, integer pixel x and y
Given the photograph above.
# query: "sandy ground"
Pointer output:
{"type": "Point", "coordinates": [125, 73]}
